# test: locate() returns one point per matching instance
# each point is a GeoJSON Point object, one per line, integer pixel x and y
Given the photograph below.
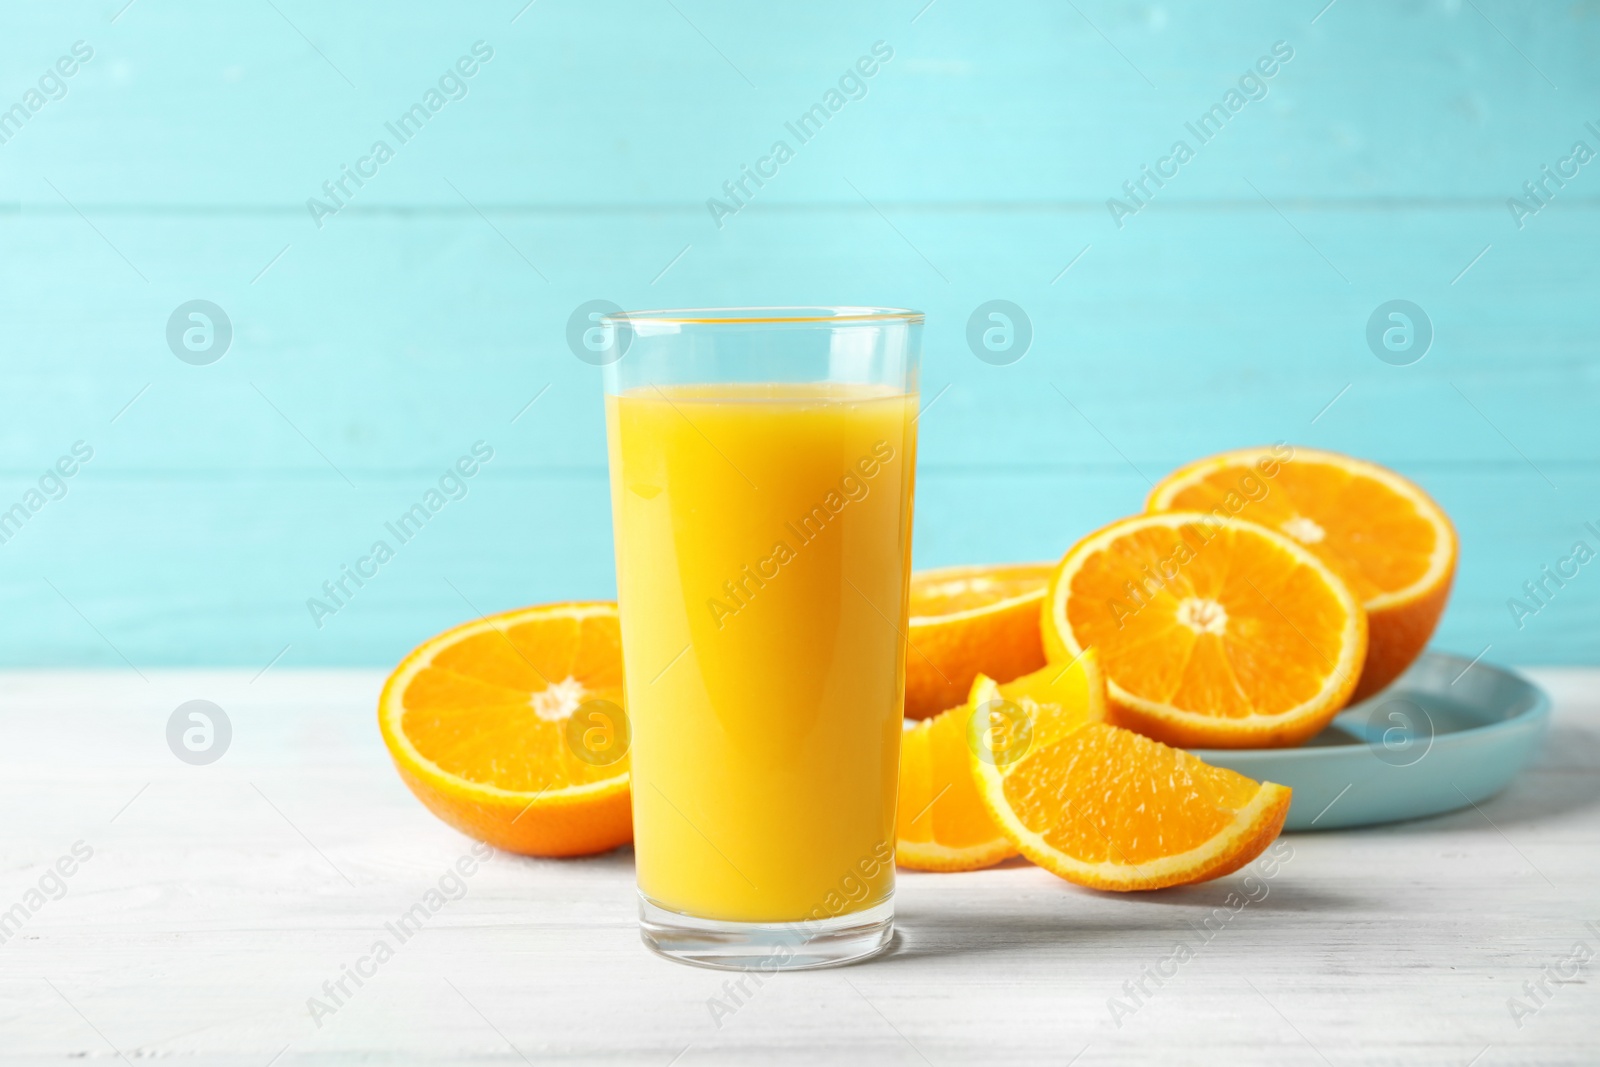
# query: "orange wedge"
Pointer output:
{"type": "Point", "coordinates": [967, 621]}
{"type": "Point", "coordinates": [942, 824]}
{"type": "Point", "coordinates": [1213, 632]}
{"type": "Point", "coordinates": [1106, 808]}
{"type": "Point", "coordinates": [1392, 544]}
{"type": "Point", "coordinates": [511, 729]}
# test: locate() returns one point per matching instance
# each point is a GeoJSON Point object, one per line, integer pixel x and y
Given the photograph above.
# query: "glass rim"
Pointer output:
{"type": "Point", "coordinates": [751, 316]}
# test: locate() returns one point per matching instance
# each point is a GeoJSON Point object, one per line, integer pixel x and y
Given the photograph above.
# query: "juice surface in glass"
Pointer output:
{"type": "Point", "coordinates": [763, 538]}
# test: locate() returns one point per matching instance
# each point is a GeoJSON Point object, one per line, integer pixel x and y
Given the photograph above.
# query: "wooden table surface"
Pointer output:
{"type": "Point", "coordinates": [206, 905]}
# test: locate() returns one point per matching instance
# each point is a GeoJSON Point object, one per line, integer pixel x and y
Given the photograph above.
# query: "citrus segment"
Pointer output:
{"type": "Point", "coordinates": [942, 824]}
{"type": "Point", "coordinates": [1211, 631]}
{"type": "Point", "coordinates": [479, 722]}
{"type": "Point", "coordinates": [967, 621]}
{"type": "Point", "coordinates": [1107, 808]}
{"type": "Point", "coordinates": [1389, 540]}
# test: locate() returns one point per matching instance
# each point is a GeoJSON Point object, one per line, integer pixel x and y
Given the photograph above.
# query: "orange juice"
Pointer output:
{"type": "Point", "coordinates": [763, 536]}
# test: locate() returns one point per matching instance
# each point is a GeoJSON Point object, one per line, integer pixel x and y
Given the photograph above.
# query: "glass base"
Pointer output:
{"type": "Point", "coordinates": [766, 947]}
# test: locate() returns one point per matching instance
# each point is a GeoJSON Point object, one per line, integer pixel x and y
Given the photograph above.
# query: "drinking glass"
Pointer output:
{"type": "Point", "coordinates": [762, 464]}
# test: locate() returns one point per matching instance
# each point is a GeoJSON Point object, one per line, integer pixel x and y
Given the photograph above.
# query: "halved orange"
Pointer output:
{"type": "Point", "coordinates": [1107, 808]}
{"type": "Point", "coordinates": [510, 728]}
{"type": "Point", "coordinates": [1393, 545]}
{"type": "Point", "coordinates": [1212, 631]}
{"type": "Point", "coordinates": [941, 821]}
{"type": "Point", "coordinates": [967, 621]}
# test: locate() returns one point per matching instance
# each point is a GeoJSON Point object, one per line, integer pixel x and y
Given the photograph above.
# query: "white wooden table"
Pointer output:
{"type": "Point", "coordinates": [219, 898]}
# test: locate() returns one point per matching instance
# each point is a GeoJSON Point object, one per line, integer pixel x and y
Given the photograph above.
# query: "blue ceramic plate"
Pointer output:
{"type": "Point", "coordinates": [1448, 733]}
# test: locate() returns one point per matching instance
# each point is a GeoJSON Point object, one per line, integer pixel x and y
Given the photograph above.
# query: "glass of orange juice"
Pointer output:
{"type": "Point", "coordinates": [762, 464]}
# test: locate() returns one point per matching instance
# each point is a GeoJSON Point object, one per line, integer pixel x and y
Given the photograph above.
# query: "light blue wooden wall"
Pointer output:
{"type": "Point", "coordinates": [424, 316]}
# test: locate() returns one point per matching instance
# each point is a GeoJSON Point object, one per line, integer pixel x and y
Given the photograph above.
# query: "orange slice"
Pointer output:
{"type": "Point", "coordinates": [942, 824]}
{"type": "Point", "coordinates": [1106, 808]}
{"type": "Point", "coordinates": [511, 729]}
{"type": "Point", "coordinates": [967, 621]}
{"type": "Point", "coordinates": [1393, 545]}
{"type": "Point", "coordinates": [1213, 632]}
